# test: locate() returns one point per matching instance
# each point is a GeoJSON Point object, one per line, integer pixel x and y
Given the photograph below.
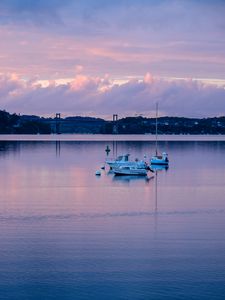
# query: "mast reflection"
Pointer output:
{"type": "Point", "coordinates": [156, 169]}
{"type": "Point", "coordinates": [57, 148]}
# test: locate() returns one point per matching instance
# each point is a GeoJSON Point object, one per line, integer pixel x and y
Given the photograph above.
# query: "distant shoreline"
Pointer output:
{"type": "Point", "coordinates": [110, 137]}
{"type": "Point", "coordinates": [26, 124]}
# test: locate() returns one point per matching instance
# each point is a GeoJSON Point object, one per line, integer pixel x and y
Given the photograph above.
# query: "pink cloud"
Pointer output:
{"type": "Point", "coordinates": [148, 78]}
{"type": "Point", "coordinates": [82, 82]}
{"type": "Point", "coordinates": [87, 95]}
{"type": "Point", "coordinates": [79, 68]}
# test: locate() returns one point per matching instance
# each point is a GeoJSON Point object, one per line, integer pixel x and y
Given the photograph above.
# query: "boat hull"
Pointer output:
{"type": "Point", "coordinates": [160, 160]}
{"type": "Point", "coordinates": [163, 163]}
{"type": "Point", "coordinates": [129, 164]}
{"type": "Point", "coordinates": [134, 172]}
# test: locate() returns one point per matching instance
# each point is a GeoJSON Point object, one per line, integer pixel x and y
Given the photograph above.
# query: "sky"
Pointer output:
{"type": "Point", "coordinates": [98, 57]}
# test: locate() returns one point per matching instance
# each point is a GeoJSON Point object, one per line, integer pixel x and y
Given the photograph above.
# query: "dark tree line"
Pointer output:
{"type": "Point", "coordinates": [14, 124]}
{"type": "Point", "coordinates": [26, 124]}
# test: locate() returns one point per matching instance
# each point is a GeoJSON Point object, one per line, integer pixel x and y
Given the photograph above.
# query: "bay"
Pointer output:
{"type": "Point", "coordinates": [67, 234]}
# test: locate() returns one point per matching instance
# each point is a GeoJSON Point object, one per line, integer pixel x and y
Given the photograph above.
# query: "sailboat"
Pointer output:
{"type": "Point", "coordinates": [158, 159]}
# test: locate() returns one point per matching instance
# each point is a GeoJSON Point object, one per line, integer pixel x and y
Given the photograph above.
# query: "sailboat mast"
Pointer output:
{"type": "Point", "coordinates": [156, 130]}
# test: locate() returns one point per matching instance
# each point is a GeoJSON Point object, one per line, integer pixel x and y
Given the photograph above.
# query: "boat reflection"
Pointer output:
{"type": "Point", "coordinates": [128, 178]}
{"type": "Point", "coordinates": [156, 168]}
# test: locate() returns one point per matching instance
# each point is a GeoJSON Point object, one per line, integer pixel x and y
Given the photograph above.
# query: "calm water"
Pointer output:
{"type": "Point", "coordinates": [67, 234]}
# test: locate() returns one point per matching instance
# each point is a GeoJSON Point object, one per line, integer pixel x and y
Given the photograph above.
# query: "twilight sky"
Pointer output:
{"type": "Point", "coordinates": [98, 57]}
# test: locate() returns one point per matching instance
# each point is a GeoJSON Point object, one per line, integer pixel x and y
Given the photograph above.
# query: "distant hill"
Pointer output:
{"type": "Point", "coordinates": [31, 124]}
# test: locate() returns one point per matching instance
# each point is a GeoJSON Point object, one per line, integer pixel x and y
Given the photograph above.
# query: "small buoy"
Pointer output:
{"type": "Point", "coordinates": [98, 173]}
{"type": "Point", "coordinates": [107, 150]}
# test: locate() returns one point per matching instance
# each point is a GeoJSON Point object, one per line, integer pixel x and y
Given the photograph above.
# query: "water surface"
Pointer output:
{"type": "Point", "coordinates": [67, 234]}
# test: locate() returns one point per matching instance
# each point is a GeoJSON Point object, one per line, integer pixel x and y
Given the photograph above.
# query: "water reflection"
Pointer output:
{"type": "Point", "coordinates": [57, 148]}
{"type": "Point", "coordinates": [156, 168]}
{"type": "Point", "coordinates": [110, 172]}
{"type": "Point", "coordinates": [9, 147]}
{"type": "Point", "coordinates": [114, 146]}
{"type": "Point", "coordinates": [128, 178]}
{"type": "Point", "coordinates": [66, 234]}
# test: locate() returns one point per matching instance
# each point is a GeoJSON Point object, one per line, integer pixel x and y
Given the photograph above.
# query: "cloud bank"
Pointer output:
{"type": "Point", "coordinates": [86, 95]}
{"type": "Point", "coordinates": [50, 40]}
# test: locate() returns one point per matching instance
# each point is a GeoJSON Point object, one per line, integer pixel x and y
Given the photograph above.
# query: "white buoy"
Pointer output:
{"type": "Point", "coordinates": [98, 173]}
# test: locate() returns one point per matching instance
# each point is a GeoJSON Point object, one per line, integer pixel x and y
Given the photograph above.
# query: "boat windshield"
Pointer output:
{"type": "Point", "coordinates": [122, 158]}
{"type": "Point", "coordinates": [119, 158]}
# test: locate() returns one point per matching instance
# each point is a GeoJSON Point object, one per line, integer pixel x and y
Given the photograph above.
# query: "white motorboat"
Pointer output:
{"type": "Point", "coordinates": [158, 159]}
{"type": "Point", "coordinates": [123, 161]}
{"type": "Point", "coordinates": [130, 170]}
